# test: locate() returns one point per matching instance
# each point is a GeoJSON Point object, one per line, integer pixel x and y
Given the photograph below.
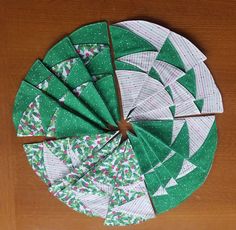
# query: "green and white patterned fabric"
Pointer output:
{"type": "Point", "coordinates": [99, 76]}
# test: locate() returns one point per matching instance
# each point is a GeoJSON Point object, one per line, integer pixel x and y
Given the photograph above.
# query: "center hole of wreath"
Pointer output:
{"type": "Point", "coordinates": [124, 127]}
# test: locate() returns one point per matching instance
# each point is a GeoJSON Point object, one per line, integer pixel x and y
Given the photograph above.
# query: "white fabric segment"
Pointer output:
{"type": "Point", "coordinates": [198, 128]}
{"type": "Point", "coordinates": [55, 168]}
{"type": "Point", "coordinates": [213, 104]}
{"type": "Point", "coordinates": [158, 114]}
{"type": "Point", "coordinates": [150, 87]}
{"type": "Point", "coordinates": [138, 187]}
{"type": "Point", "coordinates": [177, 126]}
{"type": "Point", "coordinates": [180, 93]}
{"type": "Point", "coordinates": [143, 60]}
{"type": "Point", "coordinates": [186, 109]}
{"type": "Point", "coordinates": [97, 204]}
{"type": "Point", "coordinates": [204, 81]}
{"type": "Point", "coordinates": [172, 182]}
{"type": "Point", "coordinates": [187, 167]}
{"type": "Point", "coordinates": [151, 32]}
{"type": "Point", "coordinates": [188, 52]}
{"type": "Point", "coordinates": [159, 100]}
{"type": "Point", "coordinates": [161, 191]}
{"type": "Point", "coordinates": [168, 73]}
{"type": "Point", "coordinates": [139, 207]}
{"type": "Point", "coordinates": [130, 83]}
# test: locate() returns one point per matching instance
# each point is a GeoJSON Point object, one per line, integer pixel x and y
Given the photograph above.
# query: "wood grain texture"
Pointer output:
{"type": "Point", "coordinates": [29, 28]}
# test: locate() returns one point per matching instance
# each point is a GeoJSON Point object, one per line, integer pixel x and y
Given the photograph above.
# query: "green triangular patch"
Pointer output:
{"type": "Point", "coordinates": [199, 103]}
{"type": "Point", "coordinates": [153, 73]}
{"type": "Point", "coordinates": [189, 82]}
{"type": "Point", "coordinates": [168, 90]}
{"type": "Point", "coordinates": [126, 66]}
{"type": "Point", "coordinates": [126, 42]}
{"type": "Point", "coordinates": [169, 54]}
{"type": "Point", "coordinates": [172, 109]}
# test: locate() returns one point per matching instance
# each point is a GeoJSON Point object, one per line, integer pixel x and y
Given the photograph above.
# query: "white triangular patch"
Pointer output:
{"type": "Point", "coordinates": [160, 192]}
{"type": "Point", "coordinates": [187, 167]}
{"type": "Point", "coordinates": [140, 207]}
{"type": "Point", "coordinates": [97, 204]}
{"type": "Point", "coordinates": [179, 93]}
{"type": "Point", "coordinates": [137, 187]}
{"type": "Point", "coordinates": [177, 126]}
{"type": "Point", "coordinates": [172, 182]}
{"type": "Point", "coordinates": [55, 168]}
{"type": "Point", "coordinates": [171, 154]}
{"type": "Point", "coordinates": [198, 128]}
{"type": "Point", "coordinates": [104, 187]}
{"type": "Point", "coordinates": [142, 60]}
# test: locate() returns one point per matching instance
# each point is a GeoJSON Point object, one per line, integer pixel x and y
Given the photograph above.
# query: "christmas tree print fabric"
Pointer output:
{"type": "Point", "coordinates": [90, 82]}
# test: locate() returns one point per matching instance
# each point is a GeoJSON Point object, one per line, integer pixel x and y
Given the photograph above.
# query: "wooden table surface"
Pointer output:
{"type": "Point", "coordinates": [29, 28]}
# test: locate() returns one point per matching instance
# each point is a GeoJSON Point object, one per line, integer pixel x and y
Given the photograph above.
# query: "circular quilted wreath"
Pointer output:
{"type": "Point", "coordinates": [128, 115]}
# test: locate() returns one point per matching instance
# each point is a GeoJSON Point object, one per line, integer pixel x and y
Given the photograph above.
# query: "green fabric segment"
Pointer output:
{"type": "Point", "coordinates": [101, 63]}
{"type": "Point", "coordinates": [79, 107]}
{"type": "Point", "coordinates": [156, 143]}
{"type": "Point", "coordinates": [94, 101]}
{"type": "Point", "coordinates": [126, 66]}
{"type": "Point", "coordinates": [189, 82]}
{"type": "Point", "coordinates": [93, 33]}
{"type": "Point", "coordinates": [140, 153]}
{"type": "Point", "coordinates": [56, 89]}
{"type": "Point", "coordinates": [168, 90]}
{"type": "Point", "coordinates": [169, 54]}
{"type": "Point", "coordinates": [37, 73]}
{"type": "Point", "coordinates": [126, 42]}
{"type": "Point", "coordinates": [205, 155]}
{"type": "Point", "coordinates": [161, 129]}
{"type": "Point", "coordinates": [78, 75]}
{"type": "Point", "coordinates": [152, 182]}
{"type": "Point", "coordinates": [152, 155]}
{"type": "Point", "coordinates": [61, 51]}
{"type": "Point", "coordinates": [199, 103]}
{"type": "Point", "coordinates": [25, 95]}
{"type": "Point", "coordinates": [172, 109]}
{"type": "Point", "coordinates": [153, 73]}
{"type": "Point", "coordinates": [106, 88]}
{"type": "Point", "coordinates": [181, 143]}
{"type": "Point", "coordinates": [69, 125]}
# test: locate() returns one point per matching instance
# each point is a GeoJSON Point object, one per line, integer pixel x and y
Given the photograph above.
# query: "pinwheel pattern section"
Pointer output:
{"type": "Point", "coordinates": [90, 82]}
